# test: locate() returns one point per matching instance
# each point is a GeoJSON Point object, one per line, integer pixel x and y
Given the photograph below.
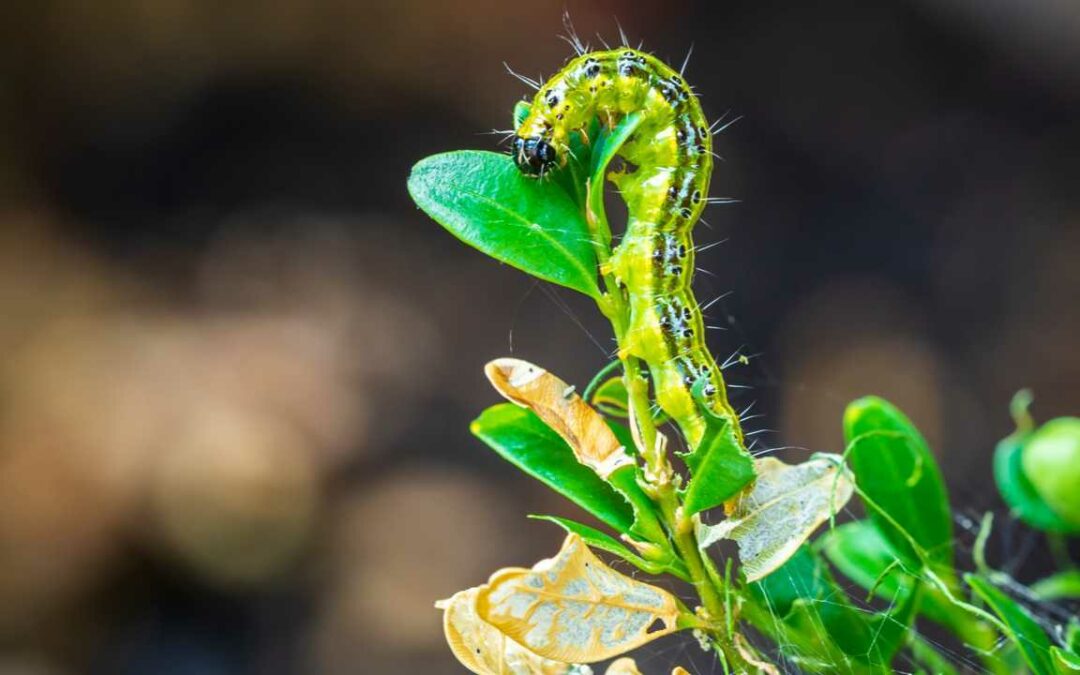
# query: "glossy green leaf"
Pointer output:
{"type": "Point", "coordinates": [611, 397]}
{"type": "Point", "coordinates": [521, 111]}
{"type": "Point", "coordinates": [607, 147]}
{"type": "Point", "coordinates": [810, 602]}
{"type": "Point", "coordinates": [573, 176]}
{"type": "Point", "coordinates": [646, 519]}
{"type": "Point", "coordinates": [719, 466]}
{"type": "Point", "coordinates": [1051, 460]}
{"type": "Point", "coordinates": [520, 437]}
{"type": "Point", "coordinates": [1018, 492]}
{"type": "Point", "coordinates": [1061, 586]}
{"type": "Point", "coordinates": [1065, 662]}
{"type": "Point", "coordinates": [895, 468]}
{"type": "Point", "coordinates": [1020, 627]}
{"type": "Point", "coordinates": [802, 576]}
{"type": "Point", "coordinates": [860, 552]}
{"type": "Point", "coordinates": [484, 200]}
{"type": "Point", "coordinates": [667, 563]}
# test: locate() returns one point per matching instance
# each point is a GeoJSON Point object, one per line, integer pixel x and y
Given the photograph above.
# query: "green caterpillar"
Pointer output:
{"type": "Point", "coordinates": [665, 193]}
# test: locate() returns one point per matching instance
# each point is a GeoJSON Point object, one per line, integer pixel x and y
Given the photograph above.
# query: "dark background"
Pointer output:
{"type": "Point", "coordinates": [239, 365]}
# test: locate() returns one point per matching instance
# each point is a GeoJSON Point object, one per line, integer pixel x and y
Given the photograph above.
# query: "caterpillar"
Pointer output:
{"type": "Point", "coordinates": [666, 188]}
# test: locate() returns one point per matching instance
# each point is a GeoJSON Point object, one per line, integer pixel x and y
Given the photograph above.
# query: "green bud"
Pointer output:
{"type": "Point", "coordinates": [1051, 461]}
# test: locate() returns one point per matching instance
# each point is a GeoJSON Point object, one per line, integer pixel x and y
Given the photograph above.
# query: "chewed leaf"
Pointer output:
{"type": "Point", "coordinates": [623, 666]}
{"type": "Point", "coordinates": [482, 648]}
{"type": "Point", "coordinates": [784, 507]}
{"type": "Point", "coordinates": [554, 401]}
{"type": "Point", "coordinates": [573, 607]}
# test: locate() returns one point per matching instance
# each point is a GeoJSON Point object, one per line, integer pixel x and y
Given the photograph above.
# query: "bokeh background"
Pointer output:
{"type": "Point", "coordinates": [239, 365]}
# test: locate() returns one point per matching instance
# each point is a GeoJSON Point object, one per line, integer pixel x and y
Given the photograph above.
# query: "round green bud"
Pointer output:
{"type": "Point", "coordinates": [1051, 461]}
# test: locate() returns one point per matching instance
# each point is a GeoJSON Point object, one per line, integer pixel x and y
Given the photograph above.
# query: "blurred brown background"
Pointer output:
{"type": "Point", "coordinates": [239, 366]}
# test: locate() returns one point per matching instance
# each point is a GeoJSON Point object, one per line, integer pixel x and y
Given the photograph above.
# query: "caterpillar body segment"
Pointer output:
{"type": "Point", "coordinates": [665, 185]}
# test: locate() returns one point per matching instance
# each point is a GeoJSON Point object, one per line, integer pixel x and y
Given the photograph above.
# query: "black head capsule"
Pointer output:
{"type": "Point", "coordinates": [533, 156]}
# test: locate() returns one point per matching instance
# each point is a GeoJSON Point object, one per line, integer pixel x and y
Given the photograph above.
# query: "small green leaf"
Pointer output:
{"type": "Point", "coordinates": [668, 564]}
{"type": "Point", "coordinates": [1018, 492]}
{"type": "Point", "coordinates": [809, 600]}
{"type": "Point", "coordinates": [607, 146]}
{"type": "Point", "coordinates": [895, 468]}
{"type": "Point", "coordinates": [521, 111]}
{"type": "Point", "coordinates": [1066, 662]}
{"type": "Point", "coordinates": [802, 576]}
{"type": "Point", "coordinates": [611, 398]}
{"type": "Point", "coordinates": [523, 439]}
{"type": "Point", "coordinates": [484, 200]}
{"type": "Point", "coordinates": [719, 465]}
{"type": "Point", "coordinates": [1061, 586]}
{"type": "Point", "coordinates": [646, 521]}
{"type": "Point", "coordinates": [573, 177]}
{"type": "Point", "coordinates": [863, 555]}
{"type": "Point", "coordinates": [1020, 627]}
{"type": "Point", "coordinates": [1052, 463]}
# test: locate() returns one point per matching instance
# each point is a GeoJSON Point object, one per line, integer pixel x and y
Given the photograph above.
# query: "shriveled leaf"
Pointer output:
{"type": "Point", "coordinates": [623, 666]}
{"type": "Point", "coordinates": [523, 439]}
{"type": "Point", "coordinates": [894, 467]}
{"type": "Point", "coordinates": [719, 465]}
{"type": "Point", "coordinates": [588, 435]}
{"type": "Point", "coordinates": [786, 504]}
{"type": "Point", "coordinates": [1020, 627]}
{"type": "Point", "coordinates": [575, 608]}
{"type": "Point", "coordinates": [485, 201]}
{"type": "Point", "coordinates": [485, 650]}
{"type": "Point", "coordinates": [667, 562]}
{"type": "Point", "coordinates": [1061, 586]}
{"type": "Point", "coordinates": [555, 402]}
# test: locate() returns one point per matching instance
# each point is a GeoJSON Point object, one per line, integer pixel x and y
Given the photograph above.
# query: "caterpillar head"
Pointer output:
{"type": "Point", "coordinates": [534, 155]}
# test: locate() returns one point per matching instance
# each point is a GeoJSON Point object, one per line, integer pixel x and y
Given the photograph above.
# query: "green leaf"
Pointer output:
{"type": "Point", "coordinates": [863, 555]}
{"type": "Point", "coordinates": [668, 563]}
{"type": "Point", "coordinates": [607, 146]}
{"type": "Point", "coordinates": [485, 201]}
{"type": "Point", "coordinates": [895, 468]}
{"type": "Point", "coordinates": [1066, 662]}
{"type": "Point", "coordinates": [720, 467]}
{"type": "Point", "coordinates": [521, 111]}
{"type": "Point", "coordinates": [802, 576]}
{"type": "Point", "coordinates": [646, 521]}
{"type": "Point", "coordinates": [523, 439]}
{"type": "Point", "coordinates": [1051, 459]}
{"type": "Point", "coordinates": [1018, 492]}
{"type": "Point", "coordinates": [1020, 627]}
{"type": "Point", "coordinates": [611, 397]}
{"type": "Point", "coordinates": [810, 602]}
{"type": "Point", "coordinates": [574, 175]}
{"type": "Point", "coordinates": [1061, 586]}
